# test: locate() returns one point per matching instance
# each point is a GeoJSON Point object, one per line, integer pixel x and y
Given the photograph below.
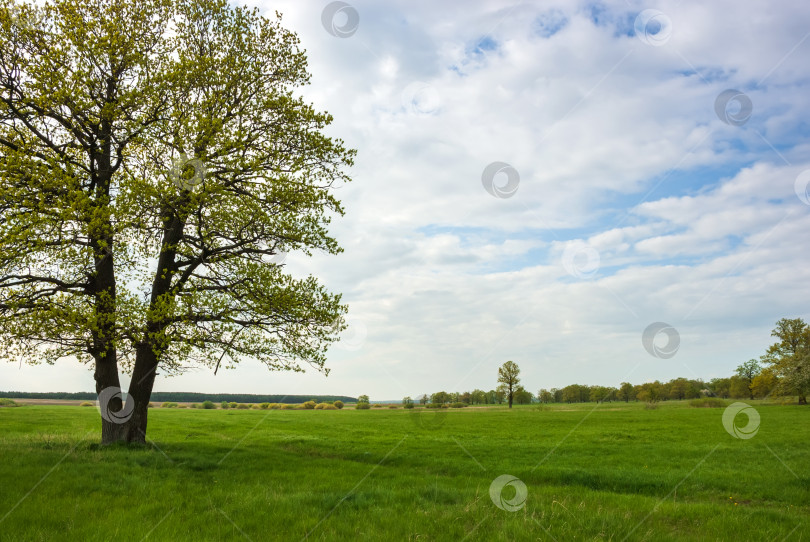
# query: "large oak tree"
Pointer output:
{"type": "Point", "coordinates": [155, 167]}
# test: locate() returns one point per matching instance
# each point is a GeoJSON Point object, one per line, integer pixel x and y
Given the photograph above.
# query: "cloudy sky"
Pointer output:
{"type": "Point", "coordinates": [543, 181]}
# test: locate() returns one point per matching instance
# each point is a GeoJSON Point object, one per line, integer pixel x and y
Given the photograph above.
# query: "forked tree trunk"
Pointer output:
{"type": "Point", "coordinates": [131, 427]}
{"type": "Point", "coordinates": [130, 424]}
{"type": "Point", "coordinates": [126, 422]}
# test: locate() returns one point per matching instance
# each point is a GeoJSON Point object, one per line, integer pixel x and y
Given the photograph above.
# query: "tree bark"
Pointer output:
{"type": "Point", "coordinates": [106, 376]}
{"type": "Point", "coordinates": [103, 283]}
{"type": "Point", "coordinates": [140, 390]}
{"type": "Point", "coordinates": [147, 353]}
{"type": "Point", "coordinates": [103, 347]}
{"type": "Point", "coordinates": [130, 423]}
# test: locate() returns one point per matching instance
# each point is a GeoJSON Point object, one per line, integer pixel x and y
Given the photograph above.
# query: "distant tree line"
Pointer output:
{"type": "Point", "coordinates": [675, 389]}
{"type": "Point", "coordinates": [509, 391]}
{"type": "Point", "coordinates": [750, 385]}
{"type": "Point", "coordinates": [784, 369]}
{"type": "Point", "coordinates": [189, 397]}
{"type": "Point", "coordinates": [476, 397]}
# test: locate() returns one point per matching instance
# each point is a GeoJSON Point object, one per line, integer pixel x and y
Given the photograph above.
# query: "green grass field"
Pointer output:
{"type": "Point", "coordinates": [610, 472]}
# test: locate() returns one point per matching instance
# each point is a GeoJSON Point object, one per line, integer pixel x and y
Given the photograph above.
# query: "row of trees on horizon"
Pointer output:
{"type": "Point", "coordinates": [784, 370]}
{"type": "Point", "coordinates": [737, 386]}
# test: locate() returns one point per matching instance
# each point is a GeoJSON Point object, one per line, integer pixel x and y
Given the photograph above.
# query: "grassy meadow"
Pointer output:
{"type": "Point", "coordinates": [613, 471]}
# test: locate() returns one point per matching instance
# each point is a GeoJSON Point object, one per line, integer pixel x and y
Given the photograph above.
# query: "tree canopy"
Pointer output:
{"type": "Point", "coordinates": [747, 372]}
{"type": "Point", "coordinates": [155, 166]}
{"type": "Point", "coordinates": [790, 357]}
{"type": "Point", "coordinates": [508, 378]}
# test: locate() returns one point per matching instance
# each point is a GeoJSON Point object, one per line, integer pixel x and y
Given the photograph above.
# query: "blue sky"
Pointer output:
{"type": "Point", "coordinates": [636, 203]}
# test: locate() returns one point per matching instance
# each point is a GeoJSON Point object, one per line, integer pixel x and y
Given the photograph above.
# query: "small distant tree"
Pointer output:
{"type": "Point", "coordinates": [440, 398]}
{"type": "Point", "coordinates": [601, 394]}
{"type": "Point", "coordinates": [747, 372]}
{"type": "Point", "coordinates": [626, 392]}
{"type": "Point", "coordinates": [655, 392]}
{"type": "Point", "coordinates": [508, 377]}
{"type": "Point", "coordinates": [424, 399]}
{"type": "Point", "coordinates": [678, 388]}
{"type": "Point", "coordinates": [338, 404]}
{"type": "Point", "coordinates": [650, 392]}
{"type": "Point", "coordinates": [738, 387]}
{"type": "Point", "coordinates": [764, 383]}
{"type": "Point", "coordinates": [407, 401]}
{"type": "Point", "coordinates": [363, 399]}
{"type": "Point", "coordinates": [695, 388]}
{"type": "Point", "coordinates": [523, 396]}
{"type": "Point", "coordinates": [720, 387]}
{"type": "Point", "coordinates": [545, 396]}
{"type": "Point", "coordinates": [575, 393]}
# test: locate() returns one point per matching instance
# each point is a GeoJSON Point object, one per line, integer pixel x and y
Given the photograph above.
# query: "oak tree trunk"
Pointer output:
{"type": "Point", "coordinates": [130, 425]}
{"type": "Point", "coordinates": [106, 376]}
{"type": "Point", "coordinates": [140, 391]}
